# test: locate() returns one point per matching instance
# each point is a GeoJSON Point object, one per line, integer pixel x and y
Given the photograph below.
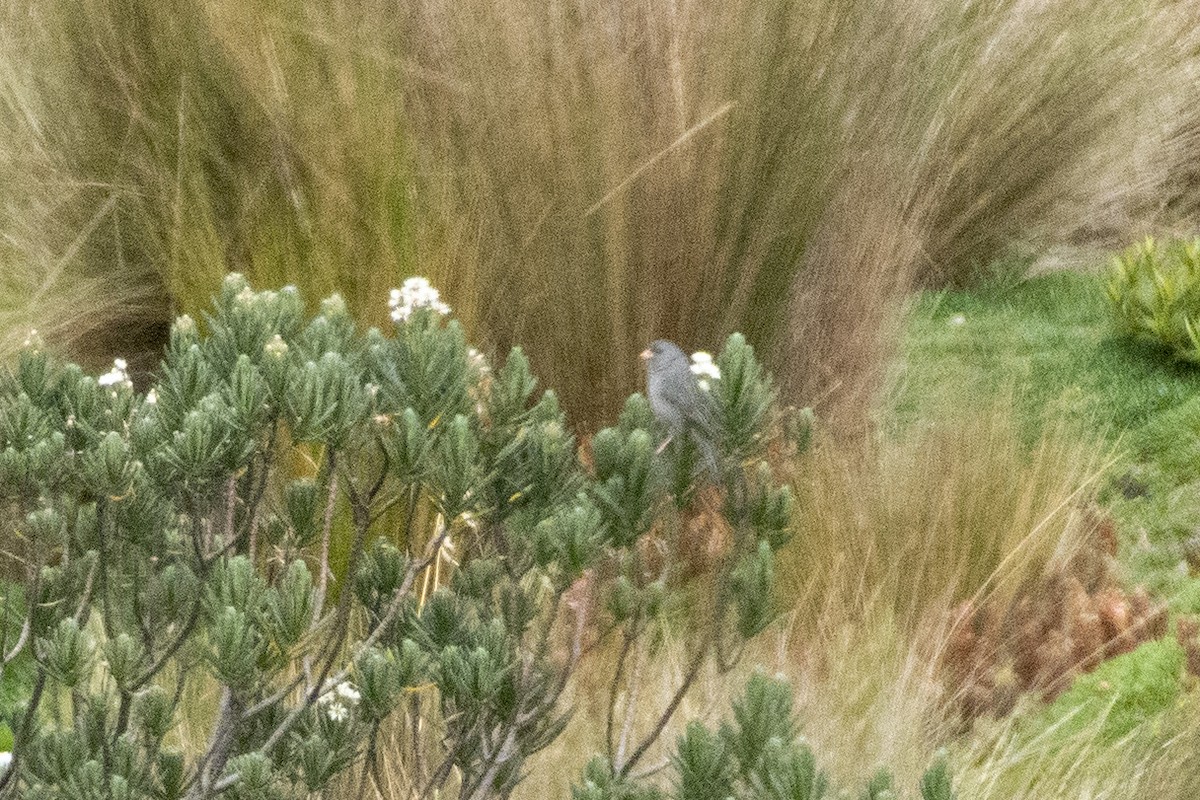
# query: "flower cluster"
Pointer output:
{"type": "Point", "coordinates": [276, 347]}
{"type": "Point", "coordinates": [478, 362]}
{"type": "Point", "coordinates": [704, 369]}
{"type": "Point", "coordinates": [248, 298]}
{"type": "Point", "coordinates": [414, 294]}
{"type": "Point", "coordinates": [117, 375]}
{"type": "Point", "coordinates": [338, 702]}
{"type": "Point", "coordinates": [184, 325]}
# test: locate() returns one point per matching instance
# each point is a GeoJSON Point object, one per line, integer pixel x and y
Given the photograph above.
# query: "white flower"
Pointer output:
{"type": "Point", "coordinates": [346, 691]}
{"type": "Point", "coordinates": [334, 306]}
{"type": "Point", "coordinates": [415, 293]}
{"type": "Point", "coordinates": [117, 375]}
{"type": "Point", "coordinates": [338, 701]}
{"type": "Point", "coordinates": [33, 341]}
{"type": "Point", "coordinates": [152, 397]}
{"type": "Point", "coordinates": [702, 365]}
{"type": "Point", "coordinates": [478, 361]}
{"type": "Point", "coordinates": [958, 319]}
{"type": "Point", "coordinates": [5, 760]}
{"type": "Point", "coordinates": [185, 324]}
{"type": "Point", "coordinates": [277, 347]}
{"type": "Point", "coordinates": [705, 370]}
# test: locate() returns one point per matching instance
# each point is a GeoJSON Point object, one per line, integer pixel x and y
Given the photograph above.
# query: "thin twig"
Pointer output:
{"type": "Point", "coordinates": [639, 660]}
{"type": "Point", "coordinates": [610, 724]}
{"type": "Point", "coordinates": [252, 515]}
{"type": "Point", "coordinates": [171, 649]}
{"type": "Point", "coordinates": [27, 626]}
{"type": "Point", "coordinates": [688, 680]}
{"type": "Point", "coordinates": [22, 733]}
{"type": "Point", "coordinates": [326, 533]}
{"type": "Point", "coordinates": [230, 507]}
{"type": "Point", "coordinates": [89, 586]}
{"type": "Point", "coordinates": [414, 490]}
{"type": "Point", "coordinates": [215, 757]}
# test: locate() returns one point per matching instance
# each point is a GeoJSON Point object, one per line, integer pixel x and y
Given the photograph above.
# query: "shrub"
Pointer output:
{"type": "Point", "coordinates": [1155, 291]}
{"type": "Point", "coordinates": [758, 756]}
{"type": "Point", "coordinates": [171, 545]}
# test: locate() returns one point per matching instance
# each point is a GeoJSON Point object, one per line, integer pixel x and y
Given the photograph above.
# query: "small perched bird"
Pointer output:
{"type": "Point", "coordinates": [678, 401]}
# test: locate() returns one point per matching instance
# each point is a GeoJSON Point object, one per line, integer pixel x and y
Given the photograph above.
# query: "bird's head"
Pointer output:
{"type": "Point", "coordinates": [662, 351]}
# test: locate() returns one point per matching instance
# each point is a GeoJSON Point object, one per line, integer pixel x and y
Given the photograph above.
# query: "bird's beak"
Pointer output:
{"type": "Point", "coordinates": [646, 355]}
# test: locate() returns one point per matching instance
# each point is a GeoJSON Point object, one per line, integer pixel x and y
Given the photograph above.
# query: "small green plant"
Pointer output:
{"type": "Point", "coordinates": [758, 757]}
{"type": "Point", "coordinates": [1155, 292]}
{"type": "Point", "coordinates": [170, 544]}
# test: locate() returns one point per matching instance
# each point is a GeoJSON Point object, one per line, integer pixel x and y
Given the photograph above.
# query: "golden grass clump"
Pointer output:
{"type": "Point", "coordinates": [685, 170]}
{"type": "Point", "coordinates": [153, 147]}
{"type": "Point", "coordinates": [959, 509]}
{"type": "Point", "coordinates": [577, 179]}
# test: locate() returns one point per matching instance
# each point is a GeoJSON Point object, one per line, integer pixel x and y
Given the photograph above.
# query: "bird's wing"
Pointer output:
{"type": "Point", "coordinates": [682, 392]}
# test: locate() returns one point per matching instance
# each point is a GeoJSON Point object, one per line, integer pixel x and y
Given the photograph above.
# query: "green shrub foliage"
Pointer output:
{"type": "Point", "coordinates": [1154, 288]}
{"type": "Point", "coordinates": [758, 757]}
{"type": "Point", "coordinates": [325, 529]}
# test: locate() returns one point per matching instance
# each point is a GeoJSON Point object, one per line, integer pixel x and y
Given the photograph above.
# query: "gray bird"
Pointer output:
{"type": "Point", "coordinates": [678, 401]}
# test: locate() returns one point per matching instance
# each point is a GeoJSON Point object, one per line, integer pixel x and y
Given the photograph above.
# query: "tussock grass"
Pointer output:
{"type": "Point", "coordinates": [957, 509]}
{"type": "Point", "coordinates": [53, 276]}
{"type": "Point", "coordinates": [579, 179]}
{"type": "Point", "coordinates": [1035, 124]}
{"type": "Point", "coordinates": [620, 172]}
{"type": "Point", "coordinates": [163, 144]}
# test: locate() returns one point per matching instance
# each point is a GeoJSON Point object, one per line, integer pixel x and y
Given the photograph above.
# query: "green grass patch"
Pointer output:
{"type": "Point", "coordinates": [1050, 344]}
{"type": "Point", "coordinates": [1121, 695]}
{"type": "Point", "coordinates": [1048, 341]}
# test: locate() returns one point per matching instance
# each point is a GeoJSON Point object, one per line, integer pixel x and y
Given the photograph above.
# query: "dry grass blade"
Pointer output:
{"type": "Point", "coordinates": [960, 511]}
